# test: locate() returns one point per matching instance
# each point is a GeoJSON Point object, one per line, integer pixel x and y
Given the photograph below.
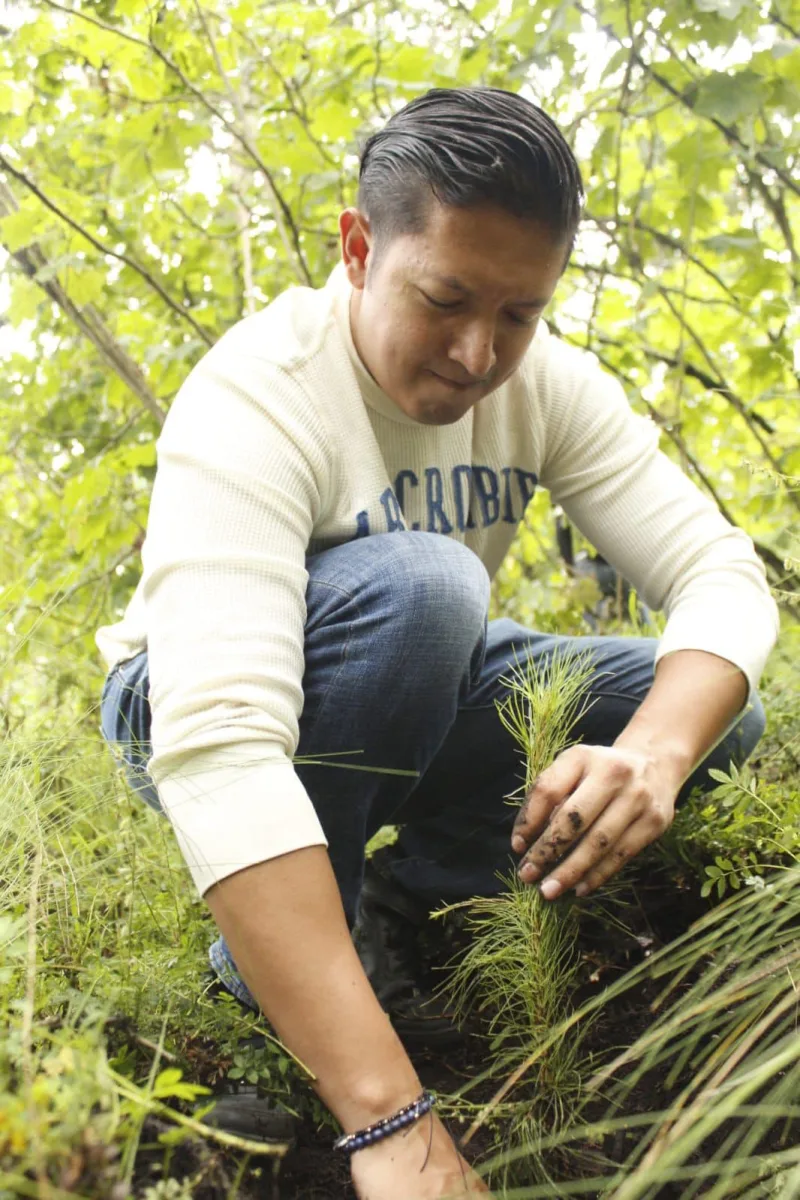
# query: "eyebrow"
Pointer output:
{"type": "Point", "coordinates": [456, 285]}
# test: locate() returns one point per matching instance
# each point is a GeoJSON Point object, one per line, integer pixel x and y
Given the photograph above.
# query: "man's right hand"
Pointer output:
{"type": "Point", "coordinates": [284, 923]}
{"type": "Point", "coordinates": [420, 1163]}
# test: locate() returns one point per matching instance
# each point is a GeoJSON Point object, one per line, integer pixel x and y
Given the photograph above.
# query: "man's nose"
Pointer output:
{"type": "Point", "coordinates": [474, 350]}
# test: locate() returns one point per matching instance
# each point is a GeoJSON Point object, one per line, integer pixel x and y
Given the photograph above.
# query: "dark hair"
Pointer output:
{"type": "Point", "coordinates": [467, 147]}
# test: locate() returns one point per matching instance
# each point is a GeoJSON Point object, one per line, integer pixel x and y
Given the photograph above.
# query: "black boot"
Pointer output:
{"type": "Point", "coordinates": [386, 935]}
{"type": "Point", "coordinates": [248, 1113]}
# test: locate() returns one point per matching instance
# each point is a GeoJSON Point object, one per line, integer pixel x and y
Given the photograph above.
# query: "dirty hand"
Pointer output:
{"type": "Point", "coordinates": [420, 1163]}
{"type": "Point", "coordinates": [594, 808]}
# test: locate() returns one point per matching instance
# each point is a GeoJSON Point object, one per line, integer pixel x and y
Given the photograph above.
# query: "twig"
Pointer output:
{"type": "Point", "coordinates": [159, 1050]}
{"type": "Point", "coordinates": [779, 20]}
{"type": "Point", "coordinates": [693, 372]}
{"type": "Point", "coordinates": [765, 552]}
{"type": "Point", "coordinates": [243, 213]}
{"type": "Point", "coordinates": [730, 132]}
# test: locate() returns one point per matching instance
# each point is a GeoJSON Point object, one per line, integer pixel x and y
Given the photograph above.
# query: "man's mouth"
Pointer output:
{"type": "Point", "coordinates": [454, 383]}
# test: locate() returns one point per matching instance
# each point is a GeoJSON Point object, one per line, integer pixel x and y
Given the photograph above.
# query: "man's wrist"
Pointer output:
{"type": "Point", "coordinates": [672, 760]}
{"type": "Point", "coordinates": [380, 1095]}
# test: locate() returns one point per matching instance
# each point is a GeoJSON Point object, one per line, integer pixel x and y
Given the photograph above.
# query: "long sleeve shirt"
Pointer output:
{"type": "Point", "coordinates": [280, 445]}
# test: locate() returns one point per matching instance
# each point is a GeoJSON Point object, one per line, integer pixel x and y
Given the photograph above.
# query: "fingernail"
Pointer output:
{"type": "Point", "coordinates": [528, 872]}
{"type": "Point", "coordinates": [581, 889]}
{"type": "Point", "coordinates": [517, 843]}
{"type": "Point", "coordinates": [550, 889]}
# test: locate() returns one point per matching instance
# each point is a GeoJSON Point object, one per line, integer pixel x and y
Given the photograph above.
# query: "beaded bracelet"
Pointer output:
{"type": "Point", "coordinates": [350, 1142]}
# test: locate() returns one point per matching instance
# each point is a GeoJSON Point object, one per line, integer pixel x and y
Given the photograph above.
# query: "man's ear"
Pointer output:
{"type": "Point", "coordinates": [356, 242]}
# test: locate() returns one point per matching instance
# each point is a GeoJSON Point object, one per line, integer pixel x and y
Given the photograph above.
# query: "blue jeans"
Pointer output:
{"type": "Point", "coordinates": [403, 669]}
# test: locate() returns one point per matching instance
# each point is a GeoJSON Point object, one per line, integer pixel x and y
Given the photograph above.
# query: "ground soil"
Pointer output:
{"type": "Point", "coordinates": [658, 907]}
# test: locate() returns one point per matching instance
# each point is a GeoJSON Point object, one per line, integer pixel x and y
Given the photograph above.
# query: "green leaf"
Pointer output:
{"type": "Point", "coordinates": [728, 97]}
{"type": "Point", "coordinates": [20, 228]}
{"type": "Point", "coordinates": [167, 152]}
{"type": "Point", "coordinates": [15, 97]}
{"type": "Point", "coordinates": [86, 286]}
{"type": "Point", "coordinates": [146, 79]}
{"type": "Point", "coordinates": [25, 300]}
{"type": "Point", "coordinates": [167, 1077]}
{"type": "Point", "coordinates": [742, 243]}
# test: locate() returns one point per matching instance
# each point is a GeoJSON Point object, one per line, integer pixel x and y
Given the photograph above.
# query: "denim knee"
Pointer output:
{"type": "Point", "coordinates": [436, 596]}
{"type": "Point", "coordinates": [407, 594]}
{"type": "Point", "coordinates": [443, 576]}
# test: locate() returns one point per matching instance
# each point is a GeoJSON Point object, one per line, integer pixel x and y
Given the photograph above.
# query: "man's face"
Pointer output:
{"type": "Point", "coordinates": [445, 316]}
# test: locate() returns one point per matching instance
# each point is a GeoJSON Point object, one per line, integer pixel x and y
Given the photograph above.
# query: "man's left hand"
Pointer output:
{"type": "Point", "coordinates": [590, 812]}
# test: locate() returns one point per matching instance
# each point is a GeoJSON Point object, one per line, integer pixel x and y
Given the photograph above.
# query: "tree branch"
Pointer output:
{"type": "Point", "coordinates": [243, 212]}
{"type": "Point", "coordinates": [752, 421]}
{"type": "Point", "coordinates": [31, 261]}
{"type": "Point", "coordinates": [92, 240]}
{"type": "Point", "coordinates": [693, 372]}
{"type": "Point", "coordinates": [779, 20]}
{"type": "Point", "coordinates": [672, 243]}
{"type": "Point", "coordinates": [593, 269]}
{"type": "Point", "coordinates": [778, 209]}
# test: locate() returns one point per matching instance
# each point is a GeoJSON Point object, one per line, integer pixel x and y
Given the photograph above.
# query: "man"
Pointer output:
{"type": "Point", "coordinates": [337, 481]}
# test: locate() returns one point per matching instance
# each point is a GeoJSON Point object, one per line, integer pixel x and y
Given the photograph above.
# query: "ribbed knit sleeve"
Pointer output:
{"type": "Point", "coordinates": [603, 464]}
{"type": "Point", "coordinates": [242, 471]}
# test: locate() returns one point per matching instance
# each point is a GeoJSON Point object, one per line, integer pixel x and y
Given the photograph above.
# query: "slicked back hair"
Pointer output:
{"type": "Point", "coordinates": [468, 147]}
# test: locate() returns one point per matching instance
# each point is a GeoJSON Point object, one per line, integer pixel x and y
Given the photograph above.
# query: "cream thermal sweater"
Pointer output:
{"type": "Point", "coordinates": [280, 444]}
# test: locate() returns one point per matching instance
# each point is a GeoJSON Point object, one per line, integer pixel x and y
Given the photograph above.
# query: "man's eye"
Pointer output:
{"type": "Point", "coordinates": [522, 320]}
{"type": "Point", "coordinates": [441, 303]}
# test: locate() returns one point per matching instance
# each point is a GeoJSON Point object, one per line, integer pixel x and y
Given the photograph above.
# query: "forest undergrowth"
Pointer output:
{"type": "Point", "coordinates": [640, 1043]}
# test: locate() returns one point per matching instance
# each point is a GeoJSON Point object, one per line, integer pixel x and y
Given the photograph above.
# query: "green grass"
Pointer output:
{"type": "Point", "coordinates": [104, 1019]}
{"type": "Point", "coordinates": [102, 997]}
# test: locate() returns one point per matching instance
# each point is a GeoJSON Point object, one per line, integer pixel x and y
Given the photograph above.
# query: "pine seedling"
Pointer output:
{"type": "Point", "coordinates": [521, 963]}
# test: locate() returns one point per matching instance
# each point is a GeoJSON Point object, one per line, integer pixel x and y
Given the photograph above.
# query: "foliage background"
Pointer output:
{"type": "Point", "coordinates": [167, 167]}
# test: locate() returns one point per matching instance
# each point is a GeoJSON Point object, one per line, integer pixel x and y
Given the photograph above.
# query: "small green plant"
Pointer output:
{"type": "Point", "coordinates": [744, 826]}
{"type": "Point", "coordinates": [520, 965]}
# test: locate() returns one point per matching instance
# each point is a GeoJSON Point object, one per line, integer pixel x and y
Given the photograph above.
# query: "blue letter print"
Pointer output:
{"type": "Point", "coordinates": [394, 515]}
{"type": "Point", "coordinates": [400, 489]}
{"type": "Point", "coordinates": [434, 496]}
{"type": "Point", "coordinates": [527, 486]}
{"type": "Point", "coordinates": [462, 474]}
{"type": "Point", "coordinates": [488, 492]}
